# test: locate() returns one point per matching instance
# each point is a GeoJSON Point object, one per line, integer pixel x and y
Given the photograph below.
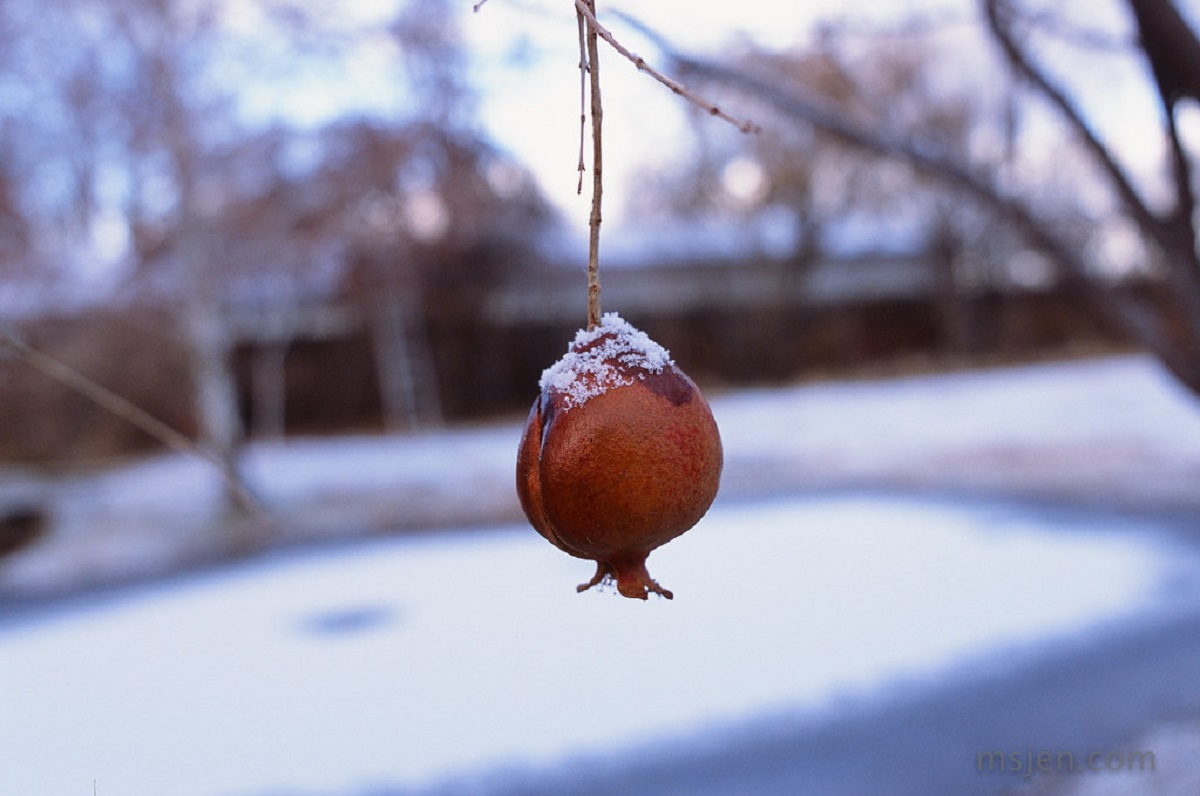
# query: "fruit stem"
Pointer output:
{"type": "Point", "coordinates": [593, 60]}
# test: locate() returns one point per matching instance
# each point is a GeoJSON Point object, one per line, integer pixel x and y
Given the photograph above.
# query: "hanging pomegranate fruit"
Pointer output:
{"type": "Point", "coordinates": [620, 454]}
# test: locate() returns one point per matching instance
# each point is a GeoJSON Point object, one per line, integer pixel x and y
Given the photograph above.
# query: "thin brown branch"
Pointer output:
{"type": "Point", "coordinates": [583, 81]}
{"type": "Point", "coordinates": [128, 411]}
{"type": "Point", "coordinates": [675, 86]}
{"type": "Point", "coordinates": [593, 57]}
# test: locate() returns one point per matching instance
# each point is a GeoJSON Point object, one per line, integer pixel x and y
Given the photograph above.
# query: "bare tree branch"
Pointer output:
{"type": "Point", "coordinates": [675, 86]}
{"type": "Point", "coordinates": [1174, 55]}
{"type": "Point", "coordinates": [1175, 234]}
{"type": "Point", "coordinates": [1137, 318]}
{"type": "Point", "coordinates": [1182, 222]}
{"type": "Point", "coordinates": [1170, 46]}
{"type": "Point", "coordinates": [129, 411]}
{"type": "Point", "coordinates": [998, 14]}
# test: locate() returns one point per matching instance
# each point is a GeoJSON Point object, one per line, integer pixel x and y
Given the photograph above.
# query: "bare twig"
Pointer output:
{"type": "Point", "coordinates": [588, 8]}
{"type": "Point", "coordinates": [128, 411]}
{"type": "Point", "coordinates": [583, 80]}
{"type": "Point", "coordinates": [675, 86]}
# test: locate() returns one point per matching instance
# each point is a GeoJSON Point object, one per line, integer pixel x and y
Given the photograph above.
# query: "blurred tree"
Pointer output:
{"type": "Point", "coordinates": [219, 159]}
{"type": "Point", "coordinates": [839, 201]}
{"type": "Point", "coordinates": [1067, 220]}
{"type": "Point", "coordinates": [816, 177]}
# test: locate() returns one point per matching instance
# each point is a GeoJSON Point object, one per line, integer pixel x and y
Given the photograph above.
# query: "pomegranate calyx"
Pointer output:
{"type": "Point", "coordinates": [632, 580]}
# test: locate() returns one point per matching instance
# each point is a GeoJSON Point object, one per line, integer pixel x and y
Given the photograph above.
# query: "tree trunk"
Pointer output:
{"type": "Point", "coordinates": [215, 390]}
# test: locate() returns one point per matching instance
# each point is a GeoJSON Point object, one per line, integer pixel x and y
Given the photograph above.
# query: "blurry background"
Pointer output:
{"type": "Point", "coordinates": [335, 246]}
{"type": "Point", "coordinates": [269, 218]}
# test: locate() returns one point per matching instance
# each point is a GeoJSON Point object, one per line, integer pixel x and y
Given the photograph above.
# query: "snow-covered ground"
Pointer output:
{"type": "Point", "coordinates": [405, 661]}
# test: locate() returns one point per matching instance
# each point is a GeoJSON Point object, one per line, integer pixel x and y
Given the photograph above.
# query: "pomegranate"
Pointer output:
{"type": "Point", "coordinates": [620, 454]}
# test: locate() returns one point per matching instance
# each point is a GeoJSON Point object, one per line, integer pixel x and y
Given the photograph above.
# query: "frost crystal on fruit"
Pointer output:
{"type": "Point", "coordinates": [611, 355]}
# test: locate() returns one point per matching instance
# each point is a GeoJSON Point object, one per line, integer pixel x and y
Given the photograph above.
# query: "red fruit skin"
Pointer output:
{"type": "Point", "coordinates": [625, 472]}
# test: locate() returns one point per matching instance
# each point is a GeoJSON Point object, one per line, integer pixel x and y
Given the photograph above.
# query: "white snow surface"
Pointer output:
{"type": "Point", "coordinates": [591, 368]}
{"type": "Point", "coordinates": [407, 661]}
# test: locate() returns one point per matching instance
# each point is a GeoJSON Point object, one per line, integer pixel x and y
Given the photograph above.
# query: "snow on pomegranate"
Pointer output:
{"type": "Point", "coordinates": [620, 454]}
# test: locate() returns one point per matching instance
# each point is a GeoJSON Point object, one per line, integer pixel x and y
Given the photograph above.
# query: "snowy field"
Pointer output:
{"type": "Point", "coordinates": [405, 662]}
